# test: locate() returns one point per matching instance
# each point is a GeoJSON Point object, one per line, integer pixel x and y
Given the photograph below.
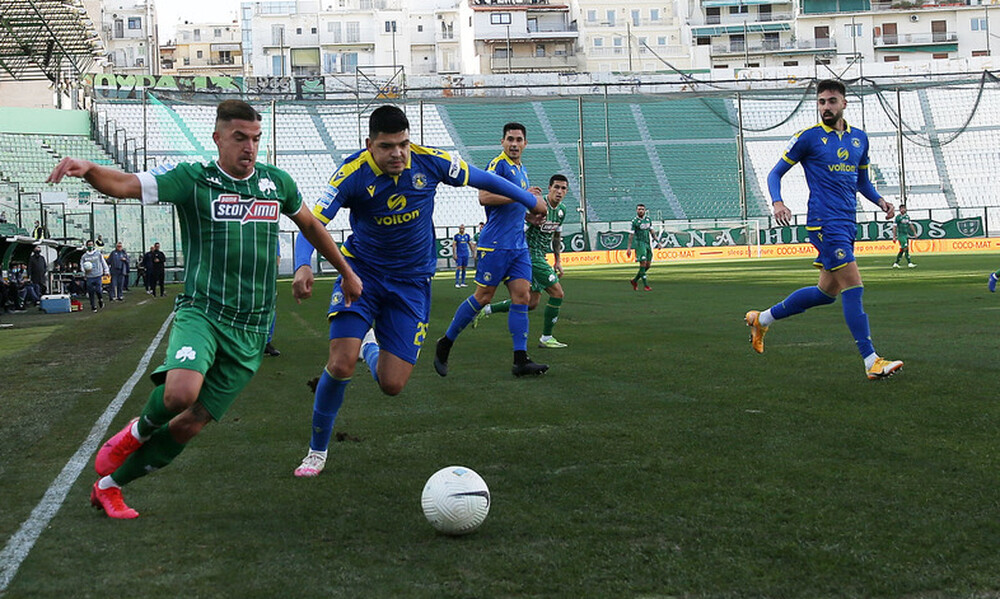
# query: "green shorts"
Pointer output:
{"type": "Point", "coordinates": [903, 242]}
{"type": "Point", "coordinates": [643, 253]}
{"type": "Point", "coordinates": [226, 356]}
{"type": "Point", "coordinates": [543, 275]}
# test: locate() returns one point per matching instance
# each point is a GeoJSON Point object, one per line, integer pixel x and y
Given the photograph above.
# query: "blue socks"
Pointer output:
{"type": "Point", "coordinates": [465, 314]}
{"type": "Point", "coordinates": [329, 397]}
{"type": "Point", "coordinates": [857, 320]}
{"type": "Point", "coordinates": [370, 351]}
{"type": "Point", "coordinates": [800, 301]}
{"type": "Point", "coordinates": [517, 322]}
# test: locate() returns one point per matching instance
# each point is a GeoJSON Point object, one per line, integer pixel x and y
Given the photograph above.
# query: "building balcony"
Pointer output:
{"type": "Point", "coordinates": [762, 47]}
{"type": "Point", "coordinates": [755, 18]}
{"type": "Point", "coordinates": [909, 40]}
{"type": "Point", "coordinates": [541, 35]}
{"type": "Point", "coordinates": [521, 64]}
{"type": "Point", "coordinates": [512, 3]}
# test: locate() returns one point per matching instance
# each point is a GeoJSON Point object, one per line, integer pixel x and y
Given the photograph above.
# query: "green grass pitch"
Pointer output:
{"type": "Point", "coordinates": [659, 456]}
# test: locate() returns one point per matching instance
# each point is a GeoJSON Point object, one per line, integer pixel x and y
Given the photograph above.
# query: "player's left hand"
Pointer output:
{"type": "Point", "coordinates": [890, 210]}
{"type": "Point", "coordinates": [558, 268]}
{"type": "Point", "coordinates": [302, 284]}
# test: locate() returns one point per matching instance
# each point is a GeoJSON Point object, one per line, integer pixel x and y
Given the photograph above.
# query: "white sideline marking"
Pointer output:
{"type": "Point", "coordinates": [20, 544]}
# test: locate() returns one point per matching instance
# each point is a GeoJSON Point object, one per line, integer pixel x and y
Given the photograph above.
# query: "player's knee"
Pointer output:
{"type": "Point", "coordinates": [340, 368]}
{"type": "Point", "coordinates": [177, 399]}
{"type": "Point", "coordinates": [391, 388]}
{"type": "Point", "coordinates": [556, 292]}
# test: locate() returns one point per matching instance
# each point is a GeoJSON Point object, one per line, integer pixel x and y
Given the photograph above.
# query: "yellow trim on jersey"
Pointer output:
{"type": "Point", "coordinates": [788, 160]}
{"type": "Point", "coordinates": [479, 249]}
{"type": "Point", "coordinates": [349, 168]}
{"type": "Point", "coordinates": [343, 250]}
{"type": "Point", "coordinates": [318, 213]}
{"type": "Point", "coordinates": [443, 155]}
{"type": "Point", "coordinates": [814, 228]}
{"type": "Point", "coordinates": [862, 166]}
{"type": "Point", "coordinates": [847, 128]}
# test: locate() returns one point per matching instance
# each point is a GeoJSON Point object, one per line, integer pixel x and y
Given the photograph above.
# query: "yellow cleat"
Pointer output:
{"type": "Point", "coordinates": [757, 331]}
{"type": "Point", "coordinates": [883, 369]}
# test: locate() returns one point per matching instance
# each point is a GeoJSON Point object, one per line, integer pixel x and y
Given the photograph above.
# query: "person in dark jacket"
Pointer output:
{"type": "Point", "coordinates": [37, 270]}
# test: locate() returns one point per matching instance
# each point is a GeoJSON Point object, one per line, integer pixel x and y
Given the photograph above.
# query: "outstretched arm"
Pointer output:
{"type": "Point", "coordinates": [486, 181]}
{"type": "Point", "coordinates": [109, 181]}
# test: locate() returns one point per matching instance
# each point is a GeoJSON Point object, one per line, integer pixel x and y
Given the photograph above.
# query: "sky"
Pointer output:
{"type": "Point", "coordinates": [169, 11]}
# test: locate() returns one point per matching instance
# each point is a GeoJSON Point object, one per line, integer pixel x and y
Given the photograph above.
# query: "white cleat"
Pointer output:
{"type": "Point", "coordinates": [312, 465]}
{"type": "Point", "coordinates": [368, 338]}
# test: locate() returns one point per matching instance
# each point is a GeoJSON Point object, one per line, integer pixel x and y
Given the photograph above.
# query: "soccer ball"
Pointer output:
{"type": "Point", "coordinates": [88, 266]}
{"type": "Point", "coordinates": [455, 500]}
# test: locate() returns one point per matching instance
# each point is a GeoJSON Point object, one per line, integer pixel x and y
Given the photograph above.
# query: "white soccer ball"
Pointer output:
{"type": "Point", "coordinates": [88, 266]}
{"type": "Point", "coordinates": [455, 500]}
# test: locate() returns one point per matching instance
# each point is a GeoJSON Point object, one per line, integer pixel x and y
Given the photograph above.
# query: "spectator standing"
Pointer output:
{"type": "Point", "coordinates": [156, 269]}
{"type": "Point", "coordinates": [118, 263]}
{"type": "Point", "coordinates": [37, 269]}
{"type": "Point", "coordinates": [39, 231]}
{"type": "Point", "coordinates": [94, 268]}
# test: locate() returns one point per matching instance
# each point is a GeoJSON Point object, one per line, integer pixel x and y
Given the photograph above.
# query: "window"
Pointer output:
{"type": "Point", "coordinates": [790, 63]}
{"type": "Point", "coordinates": [277, 66]}
{"type": "Point", "coordinates": [135, 22]}
{"type": "Point", "coordinates": [636, 20]}
{"type": "Point", "coordinates": [661, 41]}
{"type": "Point", "coordinates": [298, 31]}
{"type": "Point", "coordinates": [217, 33]}
{"type": "Point", "coordinates": [539, 50]}
{"type": "Point", "coordinates": [980, 53]}
{"type": "Point", "coordinates": [618, 42]}
{"type": "Point", "coordinates": [500, 52]}
{"type": "Point", "coordinates": [390, 27]}
{"type": "Point", "coordinates": [313, 31]}
{"type": "Point", "coordinates": [852, 30]}
{"type": "Point", "coordinates": [334, 28]}
{"type": "Point", "coordinates": [591, 16]}
{"type": "Point", "coordinates": [654, 14]}
{"type": "Point", "coordinates": [197, 35]}
{"type": "Point", "coordinates": [598, 42]}
{"type": "Point", "coordinates": [420, 28]}
{"type": "Point", "coordinates": [365, 4]}
{"type": "Point", "coordinates": [610, 17]}
{"type": "Point", "coordinates": [891, 59]}
{"type": "Point", "coordinates": [939, 55]}
{"type": "Point", "coordinates": [225, 57]}
{"type": "Point", "coordinates": [772, 41]}
{"type": "Point", "coordinates": [199, 54]}
{"type": "Point", "coordinates": [979, 24]}
{"type": "Point", "coordinates": [500, 18]}
{"type": "Point", "coordinates": [352, 35]}
{"type": "Point", "coordinates": [277, 35]}
{"type": "Point", "coordinates": [742, 9]}
{"type": "Point", "coordinates": [348, 62]}
{"type": "Point", "coordinates": [704, 41]}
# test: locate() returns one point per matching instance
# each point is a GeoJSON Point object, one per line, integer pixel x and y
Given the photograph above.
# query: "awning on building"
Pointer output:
{"type": "Point", "coordinates": [737, 29]}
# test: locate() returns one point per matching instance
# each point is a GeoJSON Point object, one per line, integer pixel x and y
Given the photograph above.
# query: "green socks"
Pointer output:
{"type": "Point", "coordinates": [155, 414]}
{"type": "Point", "coordinates": [503, 306]}
{"type": "Point", "coordinates": [551, 314]}
{"type": "Point", "coordinates": [160, 450]}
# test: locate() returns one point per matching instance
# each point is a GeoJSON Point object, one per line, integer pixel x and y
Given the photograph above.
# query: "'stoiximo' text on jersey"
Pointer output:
{"type": "Point", "coordinates": [232, 207]}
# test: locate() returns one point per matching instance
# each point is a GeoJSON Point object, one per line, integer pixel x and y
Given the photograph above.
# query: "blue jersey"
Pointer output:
{"type": "Point", "coordinates": [462, 245]}
{"type": "Point", "coordinates": [832, 161]}
{"type": "Point", "coordinates": [392, 218]}
{"type": "Point", "coordinates": [504, 228]}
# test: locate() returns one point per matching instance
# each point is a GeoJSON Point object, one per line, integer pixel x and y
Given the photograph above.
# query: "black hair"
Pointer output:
{"type": "Point", "coordinates": [558, 177]}
{"type": "Point", "coordinates": [229, 110]}
{"type": "Point", "coordinates": [831, 85]}
{"type": "Point", "coordinates": [515, 127]}
{"type": "Point", "coordinates": [387, 119]}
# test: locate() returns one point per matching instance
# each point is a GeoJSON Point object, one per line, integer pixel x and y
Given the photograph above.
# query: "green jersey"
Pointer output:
{"type": "Point", "coordinates": [903, 226]}
{"type": "Point", "coordinates": [540, 236]}
{"type": "Point", "coordinates": [641, 228]}
{"type": "Point", "coordinates": [229, 229]}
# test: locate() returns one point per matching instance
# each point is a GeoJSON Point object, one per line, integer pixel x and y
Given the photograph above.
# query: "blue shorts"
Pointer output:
{"type": "Point", "coordinates": [835, 244]}
{"type": "Point", "coordinates": [494, 266]}
{"type": "Point", "coordinates": [398, 308]}
{"type": "Point", "coordinates": [462, 261]}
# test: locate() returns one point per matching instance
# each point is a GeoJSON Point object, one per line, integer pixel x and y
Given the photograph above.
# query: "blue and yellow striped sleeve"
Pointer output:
{"type": "Point", "coordinates": [331, 200]}
{"type": "Point", "coordinates": [450, 166]}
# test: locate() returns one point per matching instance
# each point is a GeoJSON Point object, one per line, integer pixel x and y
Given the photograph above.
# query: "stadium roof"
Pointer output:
{"type": "Point", "coordinates": [46, 39]}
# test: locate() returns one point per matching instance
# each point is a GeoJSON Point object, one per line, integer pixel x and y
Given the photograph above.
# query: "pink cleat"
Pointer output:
{"type": "Point", "coordinates": [116, 450]}
{"type": "Point", "coordinates": [111, 501]}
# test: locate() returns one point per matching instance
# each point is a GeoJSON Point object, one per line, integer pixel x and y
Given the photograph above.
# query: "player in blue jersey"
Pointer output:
{"type": "Point", "coordinates": [462, 241]}
{"type": "Point", "coordinates": [834, 156]}
{"type": "Point", "coordinates": [502, 256]}
{"type": "Point", "coordinates": [389, 188]}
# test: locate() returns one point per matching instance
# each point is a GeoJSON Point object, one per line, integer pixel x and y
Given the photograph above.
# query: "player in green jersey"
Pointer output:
{"type": "Point", "coordinates": [228, 212]}
{"type": "Point", "coordinates": [642, 226]}
{"type": "Point", "coordinates": [543, 234]}
{"type": "Point", "coordinates": [901, 232]}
